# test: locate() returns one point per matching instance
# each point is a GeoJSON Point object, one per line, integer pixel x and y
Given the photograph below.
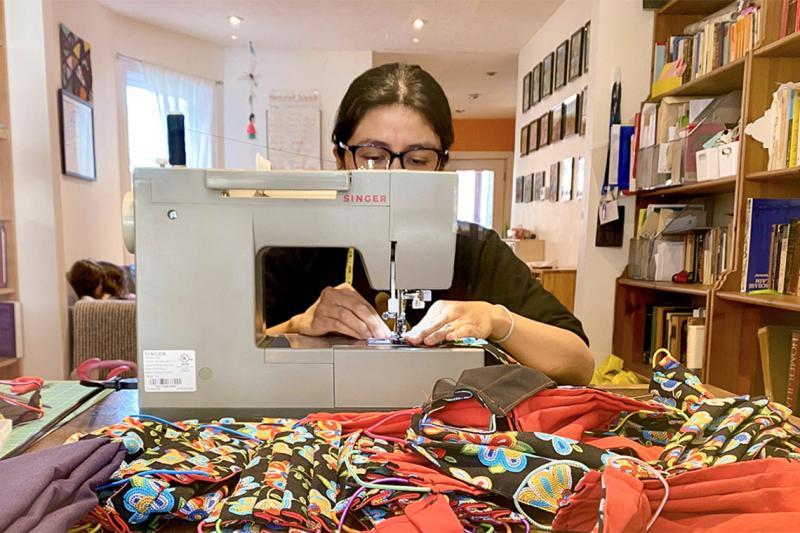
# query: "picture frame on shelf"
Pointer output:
{"type": "Point", "coordinates": [552, 184]}
{"type": "Point", "coordinates": [560, 68]}
{"type": "Point", "coordinates": [571, 110]}
{"type": "Point", "coordinates": [556, 123]}
{"type": "Point", "coordinates": [539, 192]}
{"type": "Point", "coordinates": [580, 177]}
{"type": "Point", "coordinates": [76, 130]}
{"type": "Point", "coordinates": [533, 136]}
{"type": "Point", "coordinates": [565, 180]}
{"type": "Point", "coordinates": [544, 130]}
{"type": "Point", "coordinates": [536, 84]}
{"type": "Point", "coordinates": [586, 29]}
{"type": "Point", "coordinates": [524, 139]}
{"type": "Point", "coordinates": [527, 189]}
{"type": "Point", "coordinates": [576, 55]}
{"type": "Point", "coordinates": [526, 92]}
{"type": "Point", "coordinates": [547, 75]}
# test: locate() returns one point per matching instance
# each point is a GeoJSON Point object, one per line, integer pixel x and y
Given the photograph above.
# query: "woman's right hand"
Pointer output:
{"type": "Point", "coordinates": [340, 310]}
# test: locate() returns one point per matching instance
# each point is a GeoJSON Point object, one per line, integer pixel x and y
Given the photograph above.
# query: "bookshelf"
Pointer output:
{"type": "Point", "coordinates": [8, 367]}
{"type": "Point", "coordinates": [732, 318]}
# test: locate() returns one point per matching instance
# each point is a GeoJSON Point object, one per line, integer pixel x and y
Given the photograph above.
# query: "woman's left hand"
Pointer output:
{"type": "Point", "coordinates": [449, 320]}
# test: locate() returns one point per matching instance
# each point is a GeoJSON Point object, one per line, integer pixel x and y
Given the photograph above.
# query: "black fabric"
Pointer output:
{"type": "Point", "coordinates": [485, 270]}
{"type": "Point", "coordinates": [500, 388]}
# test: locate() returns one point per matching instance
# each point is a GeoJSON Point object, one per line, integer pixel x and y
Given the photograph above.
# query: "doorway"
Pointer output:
{"type": "Point", "coordinates": [484, 196]}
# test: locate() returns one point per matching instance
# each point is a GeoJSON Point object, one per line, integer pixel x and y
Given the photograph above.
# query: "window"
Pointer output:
{"type": "Point", "coordinates": [151, 93]}
{"type": "Point", "coordinates": [476, 196]}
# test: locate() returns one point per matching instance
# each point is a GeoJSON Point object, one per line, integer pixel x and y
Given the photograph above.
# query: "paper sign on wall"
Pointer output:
{"type": "Point", "coordinates": [294, 130]}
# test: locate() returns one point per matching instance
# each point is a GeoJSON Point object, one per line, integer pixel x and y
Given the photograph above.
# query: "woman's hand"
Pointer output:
{"type": "Point", "coordinates": [448, 320]}
{"type": "Point", "coordinates": [340, 310]}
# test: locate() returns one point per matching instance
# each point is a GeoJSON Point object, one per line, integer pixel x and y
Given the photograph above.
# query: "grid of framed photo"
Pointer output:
{"type": "Point", "coordinates": [563, 182]}
{"type": "Point", "coordinates": [567, 63]}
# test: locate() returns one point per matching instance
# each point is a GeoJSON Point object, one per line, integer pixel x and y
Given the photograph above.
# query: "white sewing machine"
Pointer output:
{"type": "Point", "coordinates": [198, 236]}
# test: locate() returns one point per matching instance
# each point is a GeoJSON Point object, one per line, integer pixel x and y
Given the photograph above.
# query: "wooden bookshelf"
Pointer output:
{"type": "Point", "coordinates": [695, 188]}
{"type": "Point", "coordinates": [732, 318]}
{"type": "Point", "coordinates": [9, 367]}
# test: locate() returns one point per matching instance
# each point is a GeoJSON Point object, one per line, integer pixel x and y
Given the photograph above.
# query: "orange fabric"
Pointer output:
{"type": "Point", "coordinates": [626, 446]}
{"type": "Point", "coordinates": [430, 514]}
{"type": "Point", "coordinates": [352, 422]}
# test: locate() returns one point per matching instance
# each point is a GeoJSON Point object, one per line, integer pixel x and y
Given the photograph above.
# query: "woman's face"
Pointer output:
{"type": "Point", "coordinates": [396, 127]}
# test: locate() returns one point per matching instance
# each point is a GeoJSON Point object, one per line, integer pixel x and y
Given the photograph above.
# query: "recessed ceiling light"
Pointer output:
{"type": "Point", "coordinates": [415, 39]}
{"type": "Point", "coordinates": [473, 96]}
{"type": "Point", "coordinates": [418, 24]}
{"type": "Point", "coordinates": [459, 111]}
{"type": "Point", "coordinates": [491, 73]}
{"type": "Point", "coordinates": [234, 20]}
{"type": "Point", "coordinates": [234, 37]}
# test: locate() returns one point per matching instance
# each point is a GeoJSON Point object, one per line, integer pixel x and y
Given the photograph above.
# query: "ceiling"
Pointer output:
{"type": "Point", "coordinates": [492, 31]}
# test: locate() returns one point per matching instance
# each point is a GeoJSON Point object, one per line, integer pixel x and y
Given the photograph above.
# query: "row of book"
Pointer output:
{"type": "Point", "coordinates": [679, 329]}
{"type": "Point", "coordinates": [771, 259]}
{"type": "Point", "coordinates": [790, 17]}
{"type": "Point", "coordinates": [713, 42]}
{"type": "Point", "coordinates": [707, 254]}
{"type": "Point", "coordinates": [779, 348]}
{"type": "Point", "coordinates": [782, 130]}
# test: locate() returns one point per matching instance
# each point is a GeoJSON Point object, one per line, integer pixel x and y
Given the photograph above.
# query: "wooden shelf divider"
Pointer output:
{"type": "Point", "coordinates": [694, 188]}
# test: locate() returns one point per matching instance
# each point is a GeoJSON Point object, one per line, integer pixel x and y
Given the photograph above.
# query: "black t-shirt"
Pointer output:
{"type": "Point", "coordinates": [485, 270]}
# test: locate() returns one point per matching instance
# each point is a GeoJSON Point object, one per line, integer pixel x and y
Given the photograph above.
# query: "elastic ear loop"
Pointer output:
{"type": "Point", "coordinates": [402, 442]}
{"type": "Point", "coordinates": [518, 505]}
{"type": "Point", "coordinates": [367, 484]}
{"type": "Point", "coordinates": [127, 480]}
{"type": "Point", "coordinates": [361, 490]}
{"type": "Point", "coordinates": [656, 474]}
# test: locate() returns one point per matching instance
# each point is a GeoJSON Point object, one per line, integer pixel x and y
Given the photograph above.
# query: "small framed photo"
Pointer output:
{"type": "Point", "coordinates": [576, 55]}
{"type": "Point", "coordinates": [586, 47]}
{"type": "Point", "coordinates": [580, 173]}
{"type": "Point", "coordinates": [571, 124]}
{"type": "Point", "coordinates": [533, 136]}
{"type": "Point", "coordinates": [76, 129]}
{"type": "Point", "coordinates": [547, 75]}
{"type": "Point", "coordinates": [582, 110]}
{"type": "Point", "coordinates": [544, 130]}
{"type": "Point", "coordinates": [538, 187]}
{"type": "Point", "coordinates": [556, 123]}
{"type": "Point", "coordinates": [560, 69]}
{"type": "Point", "coordinates": [524, 136]}
{"type": "Point", "coordinates": [552, 184]}
{"type": "Point", "coordinates": [536, 84]}
{"type": "Point", "coordinates": [518, 184]}
{"type": "Point", "coordinates": [565, 180]}
{"type": "Point", "coordinates": [526, 92]}
{"type": "Point", "coordinates": [527, 189]}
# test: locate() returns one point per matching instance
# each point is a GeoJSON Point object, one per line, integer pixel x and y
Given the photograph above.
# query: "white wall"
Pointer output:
{"type": "Point", "coordinates": [558, 223]}
{"type": "Point", "coordinates": [91, 210]}
{"type": "Point", "coordinates": [330, 73]}
{"type": "Point", "coordinates": [34, 148]}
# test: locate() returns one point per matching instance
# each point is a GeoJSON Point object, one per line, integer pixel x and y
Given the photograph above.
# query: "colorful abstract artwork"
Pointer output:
{"type": "Point", "coordinates": [76, 65]}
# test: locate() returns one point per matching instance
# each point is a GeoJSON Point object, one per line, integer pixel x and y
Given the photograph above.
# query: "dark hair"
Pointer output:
{"type": "Point", "coordinates": [86, 276]}
{"type": "Point", "coordinates": [113, 280]}
{"type": "Point", "coordinates": [395, 83]}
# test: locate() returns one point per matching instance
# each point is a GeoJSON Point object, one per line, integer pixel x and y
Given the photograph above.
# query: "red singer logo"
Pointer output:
{"type": "Point", "coordinates": [364, 198]}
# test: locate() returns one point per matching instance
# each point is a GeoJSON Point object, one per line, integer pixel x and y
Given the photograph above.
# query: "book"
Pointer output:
{"type": "Point", "coordinates": [793, 380]}
{"type": "Point", "coordinates": [784, 256]}
{"type": "Point", "coordinates": [761, 214]}
{"type": "Point", "coordinates": [774, 344]}
{"type": "Point", "coordinates": [10, 330]}
{"type": "Point", "coordinates": [793, 258]}
{"type": "Point", "coordinates": [696, 340]}
{"type": "Point", "coordinates": [676, 334]}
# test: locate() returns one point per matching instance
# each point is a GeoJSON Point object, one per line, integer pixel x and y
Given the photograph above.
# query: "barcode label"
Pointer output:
{"type": "Point", "coordinates": [169, 371]}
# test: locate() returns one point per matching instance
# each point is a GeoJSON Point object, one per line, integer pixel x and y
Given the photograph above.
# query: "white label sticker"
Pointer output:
{"type": "Point", "coordinates": [169, 371]}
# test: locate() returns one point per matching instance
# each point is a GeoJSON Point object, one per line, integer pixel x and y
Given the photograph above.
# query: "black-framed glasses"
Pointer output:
{"type": "Point", "coordinates": [370, 156]}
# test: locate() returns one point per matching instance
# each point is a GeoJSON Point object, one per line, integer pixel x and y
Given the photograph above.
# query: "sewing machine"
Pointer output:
{"type": "Point", "coordinates": [198, 236]}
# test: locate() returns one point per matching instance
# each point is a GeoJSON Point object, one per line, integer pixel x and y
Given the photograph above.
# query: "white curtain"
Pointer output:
{"type": "Point", "coordinates": [194, 99]}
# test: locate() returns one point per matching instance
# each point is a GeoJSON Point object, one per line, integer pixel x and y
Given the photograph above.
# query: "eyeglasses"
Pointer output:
{"type": "Point", "coordinates": [369, 156]}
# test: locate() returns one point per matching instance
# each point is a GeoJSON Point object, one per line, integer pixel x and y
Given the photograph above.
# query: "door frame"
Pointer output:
{"type": "Point", "coordinates": [502, 193]}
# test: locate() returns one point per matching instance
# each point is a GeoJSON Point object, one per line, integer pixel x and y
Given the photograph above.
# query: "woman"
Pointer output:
{"type": "Point", "coordinates": [397, 116]}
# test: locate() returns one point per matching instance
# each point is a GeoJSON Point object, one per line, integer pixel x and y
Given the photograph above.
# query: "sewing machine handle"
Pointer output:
{"type": "Point", "coordinates": [288, 180]}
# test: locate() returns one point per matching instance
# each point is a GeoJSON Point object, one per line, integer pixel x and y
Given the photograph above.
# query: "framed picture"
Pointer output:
{"type": "Point", "coordinates": [582, 110]}
{"type": "Point", "coordinates": [586, 46]}
{"type": "Point", "coordinates": [524, 135]}
{"type": "Point", "coordinates": [536, 84]}
{"type": "Point", "coordinates": [556, 123]}
{"type": "Point", "coordinates": [533, 136]}
{"type": "Point", "coordinates": [547, 75]}
{"type": "Point", "coordinates": [580, 172]}
{"type": "Point", "coordinates": [552, 185]}
{"type": "Point", "coordinates": [571, 124]}
{"type": "Point", "coordinates": [518, 184]}
{"type": "Point", "coordinates": [560, 69]}
{"type": "Point", "coordinates": [527, 189]}
{"type": "Point", "coordinates": [544, 130]}
{"type": "Point", "coordinates": [76, 128]}
{"type": "Point", "coordinates": [576, 55]}
{"type": "Point", "coordinates": [526, 92]}
{"type": "Point", "coordinates": [538, 186]}
{"type": "Point", "coordinates": [565, 181]}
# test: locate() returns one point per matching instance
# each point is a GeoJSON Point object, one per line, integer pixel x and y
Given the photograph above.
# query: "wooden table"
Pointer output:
{"type": "Point", "coordinates": [560, 282]}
